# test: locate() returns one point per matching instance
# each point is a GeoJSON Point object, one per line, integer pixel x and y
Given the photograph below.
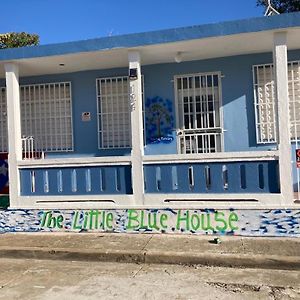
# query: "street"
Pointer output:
{"type": "Point", "coordinates": [57, 279]}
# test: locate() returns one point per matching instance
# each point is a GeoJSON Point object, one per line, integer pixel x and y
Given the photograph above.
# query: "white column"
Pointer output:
{"type": "Point", "coordinates": [14, 130]}
{"type": "Point", "coordinates": [284, 141]}
{"type": "Point", "coordinates": [137, 151]}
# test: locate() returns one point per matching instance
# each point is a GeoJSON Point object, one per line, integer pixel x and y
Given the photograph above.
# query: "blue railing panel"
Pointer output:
{"type": "Point", "coordinates": [76, 181]}
{"type": "Point", "coordinates": [215, 177]}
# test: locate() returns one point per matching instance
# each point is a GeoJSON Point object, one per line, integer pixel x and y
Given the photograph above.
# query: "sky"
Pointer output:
{"type": "Point", "coordinates": [57, 21]}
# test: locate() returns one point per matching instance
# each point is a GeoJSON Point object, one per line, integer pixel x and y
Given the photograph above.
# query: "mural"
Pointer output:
{"type": "Point", "coordinates": [3, 174]}
{"type": "Point", "coordinates": [159, 120]}
{"type": "Point", "coordinates": [200, 221]}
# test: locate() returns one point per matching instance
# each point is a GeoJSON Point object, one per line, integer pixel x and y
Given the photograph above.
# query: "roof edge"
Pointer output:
{"type": "Point", "coordinates": [156, 37]}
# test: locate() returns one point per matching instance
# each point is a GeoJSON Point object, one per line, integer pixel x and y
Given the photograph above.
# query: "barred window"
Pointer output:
{"type": "Point", "coordinates": [113, 105]}
{"type": "Point", "coordinates": [46, 115]}
{"type": "Point", "coordinates": [264, 101]}
{"type": "Point", "coordinates": [3, 121]}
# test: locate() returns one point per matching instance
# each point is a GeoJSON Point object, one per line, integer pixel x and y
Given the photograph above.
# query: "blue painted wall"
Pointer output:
{"type": "Point", "coordinates": [83, 100]}
{"type": "Point", "coordinates": [237, 92]}
{"type": "Point", "coordinates": [237, 97]}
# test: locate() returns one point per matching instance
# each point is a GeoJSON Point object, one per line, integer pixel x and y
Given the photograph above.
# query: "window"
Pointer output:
{"type": "Point", "coordinates": [114, 113]}
{"type": "Point", "coordinates": [264, 101]}
{"type": "Point", "coordinates": [46, 115]}
{"type": "Point", "coordinates": [114, 122]}
{"type": "Point", "coordinates": [3, 121]}
{"type": "Point", "coordinates": [199, 113]}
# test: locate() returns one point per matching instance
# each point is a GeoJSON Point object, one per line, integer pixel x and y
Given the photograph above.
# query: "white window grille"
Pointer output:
{"type": "Point", "coordinates": [114, 113]}
{"type": "Point", "coordinates": [199, 119]}
{"type": "Point", "coordinates": [294, 98]}
{"type": "Point", "coordinates": [3, 121]}
{"type": "Point", "coordinates": [264, 101]}
{"type": "Point", "coordinates": [113, 105]}
{"type": "Point", "coordinates": [46, 115]}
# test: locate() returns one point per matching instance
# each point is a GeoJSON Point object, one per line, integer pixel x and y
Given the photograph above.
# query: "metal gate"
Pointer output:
{"type": "Point", "coordinates": [198, 113]}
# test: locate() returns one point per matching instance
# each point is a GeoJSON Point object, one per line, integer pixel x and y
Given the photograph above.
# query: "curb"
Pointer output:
{"type": "Point", "coordinates": [157, 257]}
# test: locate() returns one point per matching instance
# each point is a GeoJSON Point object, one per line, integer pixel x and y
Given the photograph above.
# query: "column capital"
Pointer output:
{"type": "Point", "coordinates": [11, 67]}
{"type": "Point", "coordinates": [134, 56]}
{"type": "Point", "coordinates": [280, 38]}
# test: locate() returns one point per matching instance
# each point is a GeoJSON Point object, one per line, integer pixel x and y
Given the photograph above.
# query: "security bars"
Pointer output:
{"type": "Point", "coordinates": [294, 100]}
{"type": "Point", "coordinates": [113, 106]}
{"type": "Point", "coordinates": [3, 121]}
{"type": "Point", "coordinates": [264, 101]}
{"type": "Point", "coordinates": [265, 115]}
{"type": "Point", "coordinates": [46, 115]}
{"type": "Point", "coordinates": [199, 122]}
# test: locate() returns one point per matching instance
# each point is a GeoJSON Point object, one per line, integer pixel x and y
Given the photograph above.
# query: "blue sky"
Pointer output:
{"type": "Point", "coordinates": [68, 20]}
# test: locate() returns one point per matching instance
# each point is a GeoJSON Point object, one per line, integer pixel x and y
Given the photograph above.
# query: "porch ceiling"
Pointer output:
{"type": "Point", "coordinates": [153, 52]}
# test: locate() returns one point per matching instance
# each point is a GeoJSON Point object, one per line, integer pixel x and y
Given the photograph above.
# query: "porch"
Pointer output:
{"type": "Point", "coordinates": [238, 179]}
{"type": "Point", "coordinates": [206, 146]}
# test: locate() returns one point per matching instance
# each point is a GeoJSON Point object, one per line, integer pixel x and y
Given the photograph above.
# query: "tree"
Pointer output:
{"type": "Point", "coordinates": [282, 6]}
{"type": "Point", "coordinates": [158, 112]}
{"type": "Point", "coordinates": [18, 39]}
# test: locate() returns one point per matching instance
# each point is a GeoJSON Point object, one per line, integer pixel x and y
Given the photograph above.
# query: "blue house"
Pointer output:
{"type": "Point", "coordinates": [186, 117]}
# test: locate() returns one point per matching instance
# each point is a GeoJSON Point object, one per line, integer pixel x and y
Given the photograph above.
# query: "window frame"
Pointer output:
{"type": "Point", "coordinates": [272, 126]}
{"type": "Point", "coordinates": [99, 115]}
{"type": "Point", "coordinates": [219, 130]}
{"type": "Point", "coordinates": [67, 135]}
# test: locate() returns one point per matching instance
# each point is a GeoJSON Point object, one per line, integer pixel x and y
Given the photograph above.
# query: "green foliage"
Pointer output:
{"type": "Point", "coordinates": [157, 113]}
{"type": "Point", "coordinates": [18, 39]}
{"type": "Point", "coordinates": [282, 6]}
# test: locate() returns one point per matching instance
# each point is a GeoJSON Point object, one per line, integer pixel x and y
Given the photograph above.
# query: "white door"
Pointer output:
{"type": "Point", "coordinates": [198, 113]}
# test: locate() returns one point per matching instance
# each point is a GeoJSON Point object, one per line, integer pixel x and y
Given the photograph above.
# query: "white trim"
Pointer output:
{"type": "Point", "coordinates": [73, 162]}
{"type": "Point", "coordinates": [155, 201]}
{"type": "Point", "coordinates": [281, 84]}
{"type": "Point", "coordinates": [211, 200]}
{"type": "Point", "coordinates": [74, 202]}
{"type": "Point", "coordinates": [211, 157]}
{"type": "Point", "coordinates": [137, 135]}
{"type": "Point", "coordinates": [14, 125]}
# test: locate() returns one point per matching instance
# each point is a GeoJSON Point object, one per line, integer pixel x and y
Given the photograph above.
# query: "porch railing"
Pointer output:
{"type": "Point", "coordinates": [62, 177]}
{"type": "Point", "coordinates": [227, 176]}
{"type": "Point", "coordinates": [215, 173]}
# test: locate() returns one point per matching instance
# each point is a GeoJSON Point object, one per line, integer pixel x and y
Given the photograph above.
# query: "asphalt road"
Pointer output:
{"type": "Point", "coordinates": [45, 279]}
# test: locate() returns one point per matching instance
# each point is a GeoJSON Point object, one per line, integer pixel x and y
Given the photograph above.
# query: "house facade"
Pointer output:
{"type": "Point", "coordinates": [191, 117]}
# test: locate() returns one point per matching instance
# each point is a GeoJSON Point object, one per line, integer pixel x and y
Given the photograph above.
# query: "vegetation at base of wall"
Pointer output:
{"type": "Point", "coordinates": [4, 201]}
{"type": "Point", "coordinates": [18, 39]}
{"type": "Point", "coordinates": [282, 6]}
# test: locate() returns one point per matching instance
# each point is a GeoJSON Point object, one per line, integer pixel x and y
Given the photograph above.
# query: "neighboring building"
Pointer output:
{"type": "Point", "coordinates": [182, 117]}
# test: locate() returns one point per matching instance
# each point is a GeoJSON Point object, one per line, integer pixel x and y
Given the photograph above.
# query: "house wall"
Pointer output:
{"type": "Point", "coordinates": [237, 93]}
{"type": "Point", "coordinates": [237, 98]}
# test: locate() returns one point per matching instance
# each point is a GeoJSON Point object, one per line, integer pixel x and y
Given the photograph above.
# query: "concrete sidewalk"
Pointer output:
{"type": "Point", "coordinates": [274, 253]}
